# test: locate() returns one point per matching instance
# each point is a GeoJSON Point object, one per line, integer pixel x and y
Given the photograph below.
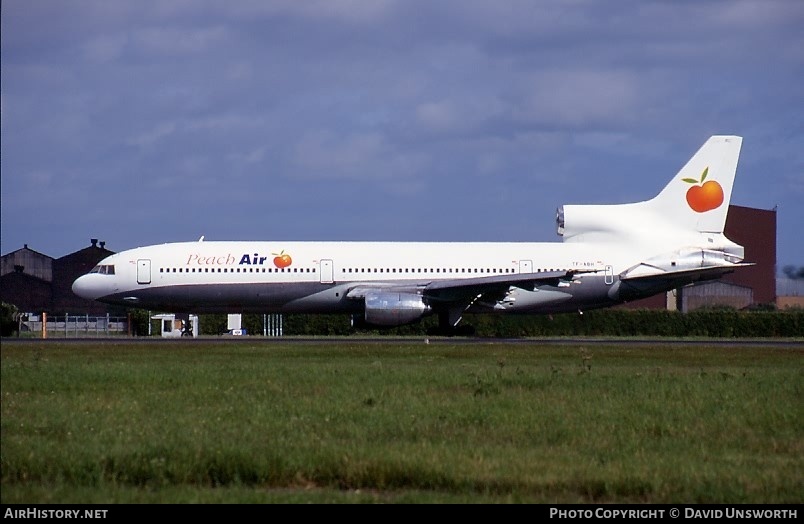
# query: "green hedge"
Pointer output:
{"type": "Point", "coordinates": [606, 322]}
{"type": "Point", "coordinates": [708, 323]}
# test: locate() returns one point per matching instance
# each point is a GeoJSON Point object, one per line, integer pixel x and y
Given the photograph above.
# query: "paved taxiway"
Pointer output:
{"type": "Point", "coordinates": [591, 341]}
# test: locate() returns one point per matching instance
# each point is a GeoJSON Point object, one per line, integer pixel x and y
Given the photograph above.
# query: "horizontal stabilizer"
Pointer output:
{"type": "Point", "coordinates": [708, 273]}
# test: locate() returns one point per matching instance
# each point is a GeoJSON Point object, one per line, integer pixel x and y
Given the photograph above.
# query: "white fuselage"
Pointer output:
{"type": "Point", "coordinates": [316, 276]}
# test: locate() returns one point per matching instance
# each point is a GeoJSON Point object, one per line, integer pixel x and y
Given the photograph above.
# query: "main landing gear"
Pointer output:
{"type": "Point", "coordinates": [448, 326]}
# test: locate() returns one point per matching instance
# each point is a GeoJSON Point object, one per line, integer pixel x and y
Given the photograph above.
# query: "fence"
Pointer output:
{"type": "Point", "coordinates": [75, 326]}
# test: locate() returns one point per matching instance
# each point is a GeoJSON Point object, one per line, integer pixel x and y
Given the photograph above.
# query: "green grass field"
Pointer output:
{"type": "Point", "coordinates": [400, 422]}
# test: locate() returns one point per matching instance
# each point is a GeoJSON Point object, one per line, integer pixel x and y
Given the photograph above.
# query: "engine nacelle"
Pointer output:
{"type": "Point", "coordinates": [600, 223]}
{"type": "Point", "coordinates": [394, 309]}
{"type": "Point", "coordinates": [584, 222]}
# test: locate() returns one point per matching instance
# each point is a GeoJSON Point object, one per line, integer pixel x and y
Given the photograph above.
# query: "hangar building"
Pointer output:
{"type": "Point", "coordinates": [36, 283]}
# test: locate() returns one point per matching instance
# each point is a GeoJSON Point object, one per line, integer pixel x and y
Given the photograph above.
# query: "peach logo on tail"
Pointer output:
{"type": "Point", "coordinates": [282, 259]}
{"type": "Point", "coordinates": [704, 196]}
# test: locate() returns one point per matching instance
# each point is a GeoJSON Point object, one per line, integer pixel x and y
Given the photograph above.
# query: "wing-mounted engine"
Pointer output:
{"type": "Point", "coordinates": [388, 308]}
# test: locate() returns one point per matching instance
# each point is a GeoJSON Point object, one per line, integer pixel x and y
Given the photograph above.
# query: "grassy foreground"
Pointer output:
{"type": "Point", "coordinates": [400, 422]}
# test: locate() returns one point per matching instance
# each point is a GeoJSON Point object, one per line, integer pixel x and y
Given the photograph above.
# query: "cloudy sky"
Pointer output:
{"type": "Point", "coordinates": [141, 122]}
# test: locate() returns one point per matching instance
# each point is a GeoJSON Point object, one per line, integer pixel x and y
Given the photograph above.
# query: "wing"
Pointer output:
{"type": "Point", "coordinates": [453, 296]}
{"type": "Point", "coordinates": [459, 289]}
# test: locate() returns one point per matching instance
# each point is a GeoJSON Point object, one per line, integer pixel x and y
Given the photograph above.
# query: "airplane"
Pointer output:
{"type": "Point", "coordinates": [609, 254]}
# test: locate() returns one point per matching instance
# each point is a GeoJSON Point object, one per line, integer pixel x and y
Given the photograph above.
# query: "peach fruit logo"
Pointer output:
{"type": "Point", "coordinates": [282, 259]}
{"type": "Point", "coordinates": [704, 196]}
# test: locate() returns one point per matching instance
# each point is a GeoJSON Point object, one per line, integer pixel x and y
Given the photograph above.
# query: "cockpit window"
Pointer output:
{"type": "Point", "coordinates": [103, 269]}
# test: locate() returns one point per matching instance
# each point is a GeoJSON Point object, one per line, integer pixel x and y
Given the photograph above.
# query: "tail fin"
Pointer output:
{"type": "Point", "coordinates": [695, 201]}
{"type": "Point", "coordinates": [697, 198]}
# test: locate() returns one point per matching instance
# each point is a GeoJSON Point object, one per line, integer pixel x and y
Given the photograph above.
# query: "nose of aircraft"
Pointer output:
{"type": "Point", "coordinates": [89, 286]}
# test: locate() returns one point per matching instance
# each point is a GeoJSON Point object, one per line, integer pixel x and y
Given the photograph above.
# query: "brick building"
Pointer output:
{"type": "Point", "coordinates": [755, 230]}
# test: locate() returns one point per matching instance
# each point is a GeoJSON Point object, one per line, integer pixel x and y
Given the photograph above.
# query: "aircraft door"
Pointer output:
{"type": "Point", "coordinates": [326, 272]}
{"type": "Point", "coordinates": [143, 271]}
{"type": "Point", "coordinates": [609, 275]}
{"type": "Point", "coordinates": [526, 266]}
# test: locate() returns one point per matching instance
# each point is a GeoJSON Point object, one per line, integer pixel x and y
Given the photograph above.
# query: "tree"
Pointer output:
{"type": "Point", "coordinates": [9, 319]}
{"type": "Point", "coordinates": [793, 272]}
{"type": "Point", "coordinates": [139, 319]}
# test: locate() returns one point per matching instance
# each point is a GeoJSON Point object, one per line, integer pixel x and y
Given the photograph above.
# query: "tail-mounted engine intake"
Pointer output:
{"type": "Point", "coordinates": [599, 222]}
{"type": "Point", "coordinates": [560, 221]}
